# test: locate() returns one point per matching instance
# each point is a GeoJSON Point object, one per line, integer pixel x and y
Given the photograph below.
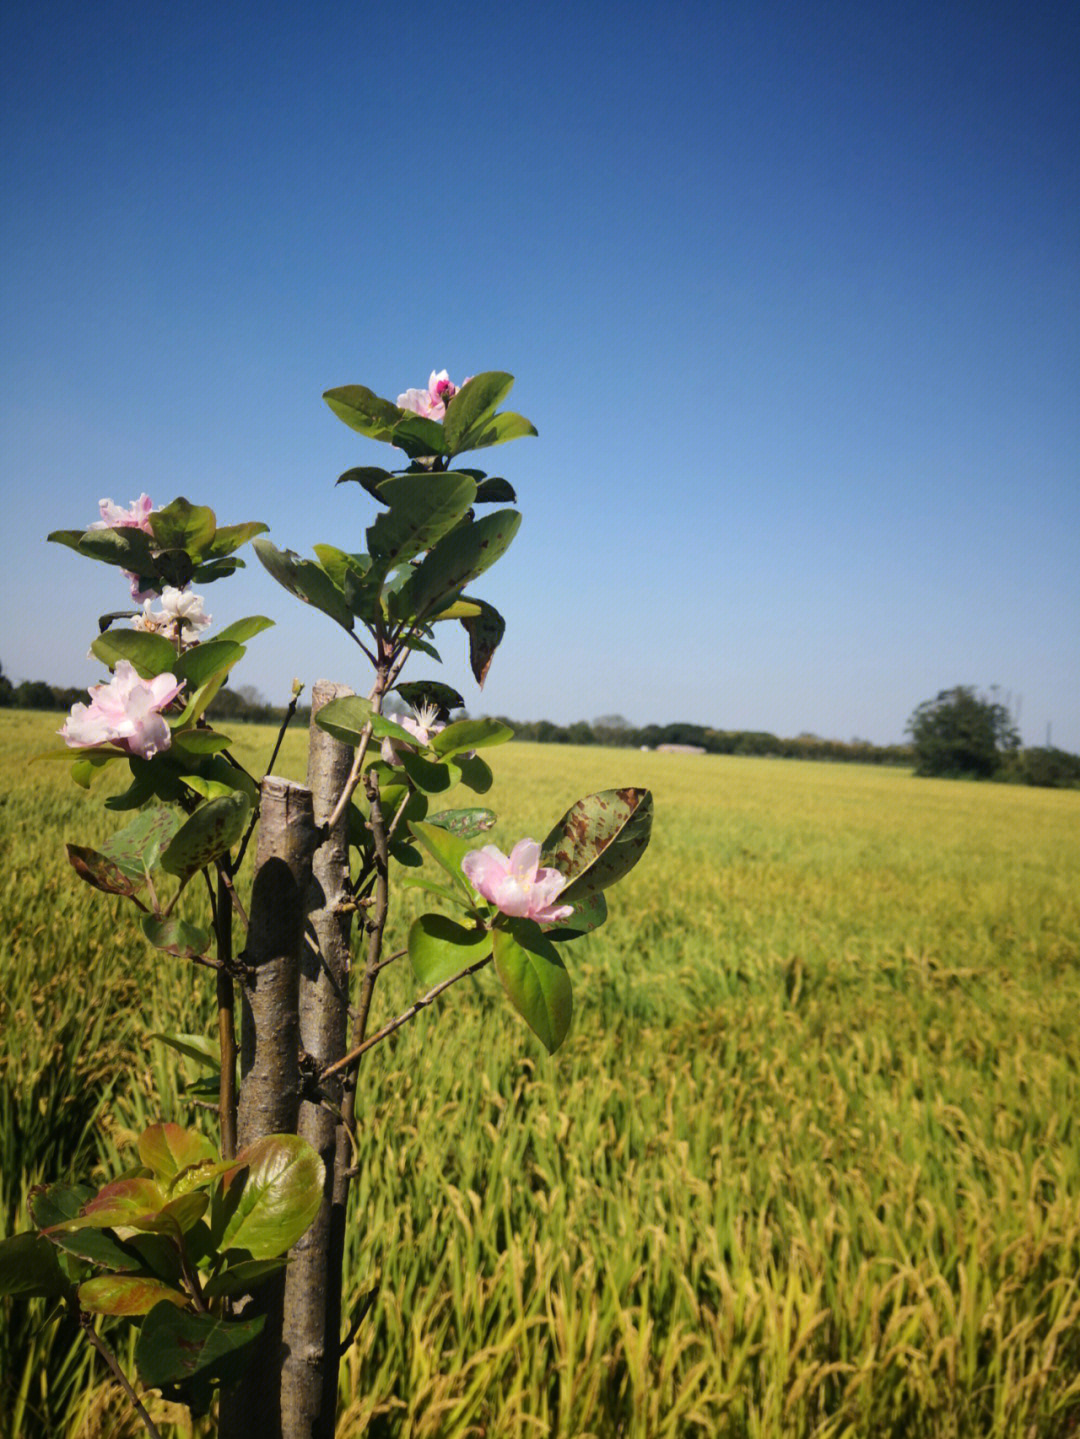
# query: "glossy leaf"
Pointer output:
{"type": "Point", "coordinates": [149, 654]}
{"type": "Point", "coordinates": [475, 773]}
{"type": "Point", "coordinates": [497, 430]}
{"type": "Point", "coordinates": [176, 936]}
{"type": "Point", "coordinates": [306, 580]}
{"type": "Point", "coordinates": [535, 980]}
{"type": "Point", "coordinates": [347, 717]}
{"type": "Point", "coordinates": [168, 1148]}
{"type": "Point", "coordinates": [228, 538]}
{"type": "Point", "coordinates": [30, 1269]}
{"type": "Point", "coordinates": [103, 873]}
{"type": "Point", "coordinates": [474, 404]}
{"type": "Point", "coordinates": [185, 1354]}
{"type": "Point", "coordinates": [364, 411]}
{"type": "Point", "coordinates": [242, 630]}
{"type": "Point", "coordinates": [368, 477]}
{"type": "Point", "coordinates": [447, 850]}
{"type": "Point", "coordinates": [599, 840]}
{"type": "Point", "coordinates": [137, 847]}
{"type": "Point", "coordinates": [212, 830]}
{"type": "Point", "coordinates": [198, 742]}
{"type": "Point", "coordinates": [273, 1194]}
{"type": "Point", "coordinates": [495, 490]}
{"type": "Point", "coordinates": [427, 777]}
{"type": "Point", "coordinates": [242, 1278]}
{"type": "Point", "coordinates": [430, 692]}
{"type": "Point", "coordinates": [127, 546]}
{"type": "Point", "coordinates": [422, 508]}
{"type": "Point", "coordinates": [470, 734]}
{"type": "Point", "coordinates": [197, 664]}
{"type": "Point", "coordinates": [180, 525]}
{"type": "Point", "coordinates": [485, 631]}
{"type": "Point", "coordinates": [465, 823]}
{"type": "Point", "coordinates": [419, 436]}
{"type": "Point", "coordinates": [128, 1294]}
{"type": "Point", "coordinates": [590, 912]}
{"type": "Point", "coordinates": [456, 560]}
{"type": "Point", "coordinates": [439, 947]}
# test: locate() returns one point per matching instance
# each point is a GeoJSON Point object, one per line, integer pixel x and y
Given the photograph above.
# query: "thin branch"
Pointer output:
{"type": "Point", "coordinates": [354, 777]}
{"type": "Point", "coordinates": [226, 1007]}
{"type": "Point", "coordinates": [352, 1059]}
{"type": "Point", "coordinates": [86, 1322]}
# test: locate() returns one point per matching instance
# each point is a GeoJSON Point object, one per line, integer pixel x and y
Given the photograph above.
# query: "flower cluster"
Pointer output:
{"type": "Point", "coordinates": [124, 712]}
{"type": "Point", "coordinates": [432, 402]}
{"type": "Point", "coordinates": [181, 615]}
{"type": "Point", "coordinates": [516, 883]}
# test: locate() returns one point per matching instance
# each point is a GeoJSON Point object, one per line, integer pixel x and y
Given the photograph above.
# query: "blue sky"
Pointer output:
{"type": "Point", "coordinates": [791, 293]}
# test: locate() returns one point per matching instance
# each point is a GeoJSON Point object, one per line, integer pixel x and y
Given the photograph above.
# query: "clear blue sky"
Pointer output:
{"type": "Point", "coordinates": [792, 293]}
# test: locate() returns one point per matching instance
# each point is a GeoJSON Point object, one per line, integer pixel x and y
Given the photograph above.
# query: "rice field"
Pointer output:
{"type": "Point", "coordinates": [807, 1165]}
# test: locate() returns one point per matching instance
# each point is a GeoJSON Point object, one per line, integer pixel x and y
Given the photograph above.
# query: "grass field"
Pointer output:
{"type": "Point", "coordinates": [808, 1163]}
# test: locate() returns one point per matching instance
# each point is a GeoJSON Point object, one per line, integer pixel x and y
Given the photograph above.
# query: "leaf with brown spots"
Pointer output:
{"type": "Point", "coordinates": [599, 840]}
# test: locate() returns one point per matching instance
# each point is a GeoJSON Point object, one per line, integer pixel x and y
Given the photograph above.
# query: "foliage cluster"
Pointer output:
{"type": "Point", "coordinates": [961, 734]}
{"type": "Point", "coordinates": [807, 1163]}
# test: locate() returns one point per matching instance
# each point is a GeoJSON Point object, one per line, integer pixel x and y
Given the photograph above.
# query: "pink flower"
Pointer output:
{"type": "Point", "coordinates": [516, 884]}
{"type": "Point", "coordinates": [124, 712]}
{"type": "Point", "coordinates": [433, 401]}
{"type": "Point", "coordinates": [136, 516]}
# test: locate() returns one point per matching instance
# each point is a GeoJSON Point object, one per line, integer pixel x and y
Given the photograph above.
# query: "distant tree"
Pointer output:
{"type": "Point", "coordinates": [7, 691]}
{"type": "Point", "coordinates": [961, 733]}
{"type": "Point", "coordinates": [35, 695]}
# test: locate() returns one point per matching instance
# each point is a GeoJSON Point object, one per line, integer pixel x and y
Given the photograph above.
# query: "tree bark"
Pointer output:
{"type": "Point", "coordinates": [269, 1061]}
{"type": "Point", "coordinates": [312, 1309]}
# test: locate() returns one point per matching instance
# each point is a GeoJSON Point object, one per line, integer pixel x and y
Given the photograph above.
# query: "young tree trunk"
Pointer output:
{"type": "Point", "coordinates": [269, 1066]}
{"type": "Point", "coordinates": [312, 1311]}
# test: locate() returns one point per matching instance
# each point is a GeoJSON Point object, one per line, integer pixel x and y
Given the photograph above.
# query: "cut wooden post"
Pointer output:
{"type": "Point", "coordinates": [269, 1062]}
{"type": "Point", "coordinates": [312, 1313]}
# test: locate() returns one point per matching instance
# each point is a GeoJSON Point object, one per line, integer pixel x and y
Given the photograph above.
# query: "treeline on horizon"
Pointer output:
{"type": "Point", "coordinates": [1045, 766]}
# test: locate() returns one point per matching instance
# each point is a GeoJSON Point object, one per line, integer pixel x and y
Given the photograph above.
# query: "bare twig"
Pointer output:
{"type": "Point", "coordinates": [86, 1322]}
{"type": "Point", "coordinates": [350, 1060]}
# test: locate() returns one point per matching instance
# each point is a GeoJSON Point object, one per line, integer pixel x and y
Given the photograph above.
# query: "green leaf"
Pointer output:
{"type": "Point", "coordinates": [347, 717]}
{"type": "Point", "coordinates": [103, 873]}
{"type": "Point", "coordinates": [422, 508]}
{"type": "Point", "coordinates": [442, 891]}
{"type": "Point", "coordinates": [369, 477]}
{"type": "Point", "coordinates": [485, 631]}
{"type": "Point", "coordinates": [535, 979]}
{"type": "Point", "coordinates": [456, 560]}
{"type": "Point", "coordinates": [447, 850]}
{"type": "Point", "coordinates": [137, 847]}
{"type": "Point", "coordinates": [172, 567]}
{"type": "Point", "coordinates": [184, 526]}
{"type": "Point", "coordinates": [495, 489]}
{"type": "Point", "coordinates": [427, 777]}
{"type": "Point", "coordinates": [199, 742]}
{"type": "Point", "coordinates": [342, 567]}
{"type": "Point", "coordinates": [439, 947]}
{"type": "Point", "coordinates": [470, 734]}
{"type": "Point", "coordinates": [364, 411]}
{"type": "Point", "coordinates": [475, 403]}
{"type": "Point", "coordinates": [241, 630]}
{"type": "Point", "coordinates": [168, 1148]}
{"type": "Point", "coordinates": [150, 654]}
{"type": "Point", "coordinates": [475, 773]}
{"type": "Point", "coordinates": [210, 570]}
{"type": "Point", "coordinates": [212, 830]}
{"type": "Point", "coordinates": [465, 823]}
{"type": "Point", "coordinates": [599, 840]}
{"type": "Point", "coordinates": [30, 1269]}
{"type": "Point", "coordinates": [193, 1046]}
{"type": "Point", "coordinates": [419, 437]}
{"type": "Point", "coordinates": [590, 912]}
{"type": "Point", "coordinates": [307, 581]}
{"type": "Point", "coordinates": [176, 936]}
{"type": "Point", "coordinates": [273, 1194]}
{"type": "Point", "coordinates": [430, 692]}
{"type": "Point", "coordinates": [185, 1354]}
{"type": "Point", "coordinates": [126, 546]}
{"type": "Point", "coordinates": [228, 538]}
{"type": "Point", "coordinates": [213, 657]}
{"type": "Point", "coordinates": [128, 1294]}
{"type": "Point", "coordinates": [496, 431]}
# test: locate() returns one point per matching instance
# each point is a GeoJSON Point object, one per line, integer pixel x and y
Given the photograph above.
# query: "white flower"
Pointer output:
{"type": "Point", "coordinates": [181, 611]}
{"type": "Point", "coordinates": [422, 724]}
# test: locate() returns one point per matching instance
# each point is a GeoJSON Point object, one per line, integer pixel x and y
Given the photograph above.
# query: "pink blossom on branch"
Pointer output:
{"type": "Point", "coordinates": [516, 883]}
{"type": "Point", "coordinates": [124, 712]}
{"type": "Point", "coordinates": [432, 402]}
{"type": "Point", "coordinates": [422, 724]}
